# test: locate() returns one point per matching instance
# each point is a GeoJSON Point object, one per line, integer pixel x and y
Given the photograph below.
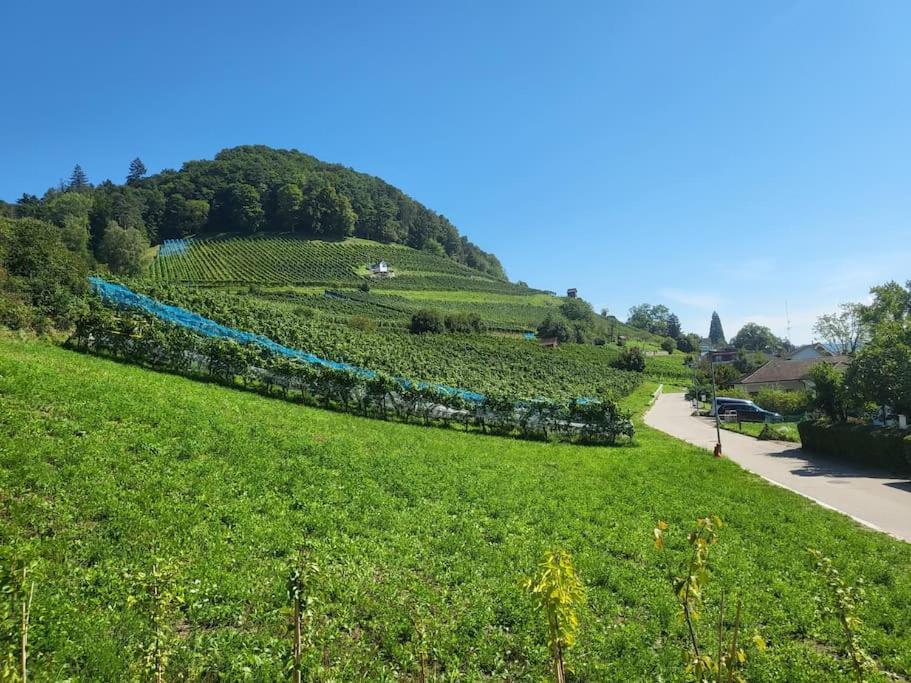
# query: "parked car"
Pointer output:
{"type": "Point", "coordinates": [748, 413]}
{"type": "Point", "coordinates": [724, 400]}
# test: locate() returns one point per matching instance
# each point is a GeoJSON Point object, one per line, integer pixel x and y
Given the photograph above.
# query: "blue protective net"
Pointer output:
{"type": "Point", "coordinates": [123, 296]}
{"type": "Point", "coordinates": [174, 247]}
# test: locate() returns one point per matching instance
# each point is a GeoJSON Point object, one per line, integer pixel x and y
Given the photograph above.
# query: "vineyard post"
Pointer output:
{"type": "Point", "coordinates": [26, 614]}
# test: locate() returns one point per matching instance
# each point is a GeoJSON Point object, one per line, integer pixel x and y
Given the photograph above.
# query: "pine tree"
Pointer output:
{"type": "Point", "coordinates": [78, 180]}
{"type": "Point", "coordinates": [716, 332]}
{"type": "Point", "coordinates": [137, 170]}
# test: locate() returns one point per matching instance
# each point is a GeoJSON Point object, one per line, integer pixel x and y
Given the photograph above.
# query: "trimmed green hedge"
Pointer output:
{"type": "Point", "coordinates": [865, 445]}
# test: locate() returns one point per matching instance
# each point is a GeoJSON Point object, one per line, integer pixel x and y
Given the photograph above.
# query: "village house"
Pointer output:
{"type": "Point", "coordinates": [788, 374]}
{"type": "Point", "coordinates": [807, 352]}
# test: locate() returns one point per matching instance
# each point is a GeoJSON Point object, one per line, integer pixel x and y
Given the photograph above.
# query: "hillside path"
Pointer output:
{"type": "Point", "coordinates": [872, 497]}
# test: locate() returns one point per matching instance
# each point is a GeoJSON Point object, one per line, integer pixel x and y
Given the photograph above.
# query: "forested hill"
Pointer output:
{"type": "Point", "coordinates": [252, 189]}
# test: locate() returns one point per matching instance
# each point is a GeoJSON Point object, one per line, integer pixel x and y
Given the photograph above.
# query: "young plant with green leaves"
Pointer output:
{"type": "Point", "coordinates": [559, 593]}
{"type": "Point", "coordinates": [705, 663]}
{"type": "Point", "coordinates": [158, 596]}
{"type": "Point", "coordinates": [301, 599]}
{"type": "Point", "coordinates": [843, 606]}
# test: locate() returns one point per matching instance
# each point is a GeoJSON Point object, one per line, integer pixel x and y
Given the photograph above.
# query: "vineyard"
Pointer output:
{"type": "Point", "coordinates": [288, 260]}
{"type": "Point", "coordinates": [489, 364]}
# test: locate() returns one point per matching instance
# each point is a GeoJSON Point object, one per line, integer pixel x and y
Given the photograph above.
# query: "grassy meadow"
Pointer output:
{"type": "Point", "coordinates": [421, 538]}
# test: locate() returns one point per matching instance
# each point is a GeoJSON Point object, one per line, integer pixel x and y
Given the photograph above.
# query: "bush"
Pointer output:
{"type": "Point", "coordinates": [364, 286]}
{"type": "Point", "coordinates": [668, 344]}
{"type": "Point", "coordinates": [631, 359]}
{"type": "Point", "coordinates": [426, 321]}
{"type": "Point", "coordinates": [784, 402]}
{"type": "Point", "coordinates": [362, 323]}
{"type": "Point", "coordinates": [464, 322]}
{"type": "Point", "coordinates": [861, 444]}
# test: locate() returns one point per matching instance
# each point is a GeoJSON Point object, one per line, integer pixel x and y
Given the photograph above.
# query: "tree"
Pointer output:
{"type": "Point", "coordinates": [651, 318]}
{"type": "Point", "coordinates": [425, 321]}
{"type": "Point", "coordinates": [844, 331]}
{"type": "Point", "coordinates": [716, 332]}
{"type": "Point", "coordinates": [754, 337]}
{"type": "Point", "coordinates": [241, 208]}
{"type": "Point", "coordinates": [327, 213]}
{"type": "Point", "coordinates": [668, 344]}
{"type": "Point", "coordinates": [552, 327]}
{"type": "Point", "coordinates": [673, 327]}
{"type": "Point", "coordinates": [881, 370]}
{"type": "Point", "coordinates": [137, 171]}
{"type": "Point", "coordinates": [123, 249]}
{"type": "Point", "coordinates": [288, 201]}
{"type": "Point", "coordinates": [79, 181]}
{"type": "Point", "coordinates": [577, 310]}
{"type": "Point", "coordinates": [830, 396]}
{"type": "Point", "coordinates": [891, 302]}
{"type": "Point", "coordinates": [689, 343]}
{"type": "Point", "coordinates": [183, 217]}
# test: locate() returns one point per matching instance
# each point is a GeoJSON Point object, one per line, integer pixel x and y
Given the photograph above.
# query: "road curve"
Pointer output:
{"type": "Point", "coordinates": [875, 498]}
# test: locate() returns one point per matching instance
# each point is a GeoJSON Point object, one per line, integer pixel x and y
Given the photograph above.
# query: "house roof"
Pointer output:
{"type": "Point", "coordinates": [783, 370]}
{"type": "Point", "coordinates": [823, 351]}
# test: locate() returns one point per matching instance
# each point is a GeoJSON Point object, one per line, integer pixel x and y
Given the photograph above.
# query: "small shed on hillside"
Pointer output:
{"type": "Point", "coordinates": [380, 269]}
{"type": "Point", "coordinates": [550, 342]}
{"type": "Point", "coordinates": [571, 292]}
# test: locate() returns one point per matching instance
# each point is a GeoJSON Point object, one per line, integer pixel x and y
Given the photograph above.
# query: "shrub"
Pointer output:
{"type": "Point", "coordinates": [668, 344]}
{"type": "Point", "coordinates": [784, 402]}
{"type": "Point", "coordinates": [362, 323]}
{"type": "Point", "coordinates": [426, 320]}
{"type": "Point", "coordinates": [631, 359]}
{"type": "Point", "coordinates": [364, 286]}
{"type": "Point", "coordinates": [863, 444]}
{"type": "Point", "coordinates": [463, 322]}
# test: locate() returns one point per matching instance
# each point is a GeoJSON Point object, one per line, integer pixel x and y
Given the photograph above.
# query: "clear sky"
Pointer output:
{"type": "Point", "coordinates": [738, 156]}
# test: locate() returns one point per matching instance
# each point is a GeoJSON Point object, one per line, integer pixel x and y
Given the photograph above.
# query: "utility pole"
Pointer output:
{"type": "Point", "coordinates": [715, 404]}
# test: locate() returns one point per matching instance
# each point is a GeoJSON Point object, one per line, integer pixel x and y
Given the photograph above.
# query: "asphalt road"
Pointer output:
{"type": "Point", "coordinates": [875, 498]}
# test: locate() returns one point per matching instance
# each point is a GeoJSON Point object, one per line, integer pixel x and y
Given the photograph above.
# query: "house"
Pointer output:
{"type": "Point", "coordinates": [550, 342]}
{"type": "Point", "coordinates": [808, 351]}
{"type": "Point", "coordinates": [380, 269]}
{"type": "Point", "coordinates": [571, 292]}
{"type": "Point", "coordinates": [722, 356]}
{"type": "Point", "coordinates": [788, 374]}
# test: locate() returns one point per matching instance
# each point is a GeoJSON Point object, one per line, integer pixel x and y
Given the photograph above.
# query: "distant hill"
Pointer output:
{"type": "Point", "coordinates": [256, 189]}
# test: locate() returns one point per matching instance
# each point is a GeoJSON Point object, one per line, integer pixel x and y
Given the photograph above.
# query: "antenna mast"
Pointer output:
{"type": "Point", "coordinates": [787, 316]}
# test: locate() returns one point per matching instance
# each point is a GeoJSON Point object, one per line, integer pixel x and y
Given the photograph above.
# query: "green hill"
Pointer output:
{"type": "Point", "coordinates": [421, 537]}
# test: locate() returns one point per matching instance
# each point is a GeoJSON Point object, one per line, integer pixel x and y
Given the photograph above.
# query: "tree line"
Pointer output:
{"type": "Point", "coordinates": [248, 190]}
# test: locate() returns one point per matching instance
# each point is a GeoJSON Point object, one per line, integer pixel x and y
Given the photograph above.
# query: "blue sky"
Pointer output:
{"type": "Point", "coordinates": [736, 156]}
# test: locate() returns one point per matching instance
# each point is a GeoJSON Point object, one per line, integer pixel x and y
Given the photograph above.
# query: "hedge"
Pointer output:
{"type": "Point", "coordinates": [861, 444]}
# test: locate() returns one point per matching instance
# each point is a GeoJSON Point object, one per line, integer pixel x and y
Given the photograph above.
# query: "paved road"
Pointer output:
{"type": "Point", "coordinates": [873, 497]}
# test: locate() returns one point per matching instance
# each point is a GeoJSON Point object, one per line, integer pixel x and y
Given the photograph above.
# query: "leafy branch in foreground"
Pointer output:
{"type": "Point", "coordinates": [558, 592]}
{"type": "Point", "coordinates": [725, 660]}
{"type": "Point", "coordinates": [845, 599]}
{"type": "Point", "coordinates": [157, 595]}
{"type": "Point", "coordinates": [301, 611]}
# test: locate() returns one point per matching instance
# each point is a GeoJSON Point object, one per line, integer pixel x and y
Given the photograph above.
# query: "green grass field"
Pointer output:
{"type": "Point", "coordinates": [107, 469]}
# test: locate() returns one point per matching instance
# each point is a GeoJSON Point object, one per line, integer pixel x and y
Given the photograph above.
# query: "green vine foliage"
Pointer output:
{"type": "Point", "coordinates": [842, 605]}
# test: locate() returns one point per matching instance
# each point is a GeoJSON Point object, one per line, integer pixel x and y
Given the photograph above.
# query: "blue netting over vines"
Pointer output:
{"type": "Point", "coordinates": [174, 247]}
{"type": "Point", "coordinates": [123, 296]}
